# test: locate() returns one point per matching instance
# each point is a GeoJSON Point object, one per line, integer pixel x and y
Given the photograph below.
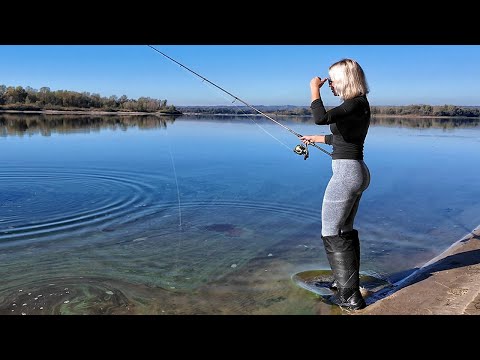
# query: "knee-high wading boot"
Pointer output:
{"type": "Point", "coordinates": [343, 261]}
{"type": "Point", "coordinates": [353, 235]}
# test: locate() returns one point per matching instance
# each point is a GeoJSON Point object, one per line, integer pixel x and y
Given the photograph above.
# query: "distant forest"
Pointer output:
{"type": "Point", "coordinates": [18, 98]}
{"type": "Point", "coordinates": [289, 110]}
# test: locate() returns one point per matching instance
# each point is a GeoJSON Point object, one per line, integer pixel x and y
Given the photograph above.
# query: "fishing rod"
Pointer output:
{"type": "Point", "coordinates": [299, 149]}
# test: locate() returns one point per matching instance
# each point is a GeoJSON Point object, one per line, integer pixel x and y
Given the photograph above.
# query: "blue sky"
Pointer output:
{"type": "Point", "coordinates": [258, 74]}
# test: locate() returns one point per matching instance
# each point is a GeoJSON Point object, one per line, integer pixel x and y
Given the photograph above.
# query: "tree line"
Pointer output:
{"type": "Point", "coordinates": [427, 110]}
{"type": "Point", "coordinates": [406, 110]}
{"type": "Point", "coordinates": [19, 98]}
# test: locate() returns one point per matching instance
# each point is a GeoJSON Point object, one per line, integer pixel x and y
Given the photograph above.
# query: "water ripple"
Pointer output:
{"type": "Point", "coordinates": [46, 201]}
{"type": "Point", "coordinates": [39, 203]}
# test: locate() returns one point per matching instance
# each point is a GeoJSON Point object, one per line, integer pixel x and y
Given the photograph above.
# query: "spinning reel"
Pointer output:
{"type": "Point", "coordinates": [301, 150]}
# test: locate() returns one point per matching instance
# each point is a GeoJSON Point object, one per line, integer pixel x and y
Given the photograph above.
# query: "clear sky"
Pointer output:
{"type": "Point", "coordinates": [258, 74]}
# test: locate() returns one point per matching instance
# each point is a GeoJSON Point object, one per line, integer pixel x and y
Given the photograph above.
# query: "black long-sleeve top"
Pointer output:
{"type": "Point", "coordinates": [349, 124]}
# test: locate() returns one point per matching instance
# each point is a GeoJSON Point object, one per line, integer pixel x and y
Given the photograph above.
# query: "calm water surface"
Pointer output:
{"type": "Point", "coordinates": [207, 215]}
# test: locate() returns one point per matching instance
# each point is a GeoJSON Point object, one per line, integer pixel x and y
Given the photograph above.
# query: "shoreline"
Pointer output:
{"type": "Point", "coordinates": [87, 112]}
{"type": "Point", "coordinates": [309, 116]}
{"type": "Point", "coordinates": [93, 112]}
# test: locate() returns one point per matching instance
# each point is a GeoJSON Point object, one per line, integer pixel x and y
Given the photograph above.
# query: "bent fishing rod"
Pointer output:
{"type": "Point", "coordinates": [299, 149]}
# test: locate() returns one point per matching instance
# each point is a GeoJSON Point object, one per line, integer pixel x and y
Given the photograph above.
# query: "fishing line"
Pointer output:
{"type": "Point", "coordinates": [179, 243]}
{"type": "Point", "coordinates": [176, 183]}
{"type": "Point", "coordinates": [248, 116]}
{"type": "Point", "coordinates": [299, 149]}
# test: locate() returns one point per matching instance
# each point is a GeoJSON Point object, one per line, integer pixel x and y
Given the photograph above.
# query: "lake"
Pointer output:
{"type": "Point", "coordinates": [212, 214]}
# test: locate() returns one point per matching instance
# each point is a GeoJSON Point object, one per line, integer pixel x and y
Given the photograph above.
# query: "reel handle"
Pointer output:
{"type": "Point", "coordinates": [301, 150]}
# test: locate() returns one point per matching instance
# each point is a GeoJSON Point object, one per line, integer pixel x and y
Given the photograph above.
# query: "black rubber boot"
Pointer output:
{"type": "Point", "coordinates": [353, 235]}
{"type": "Point", "coordinates": [343, 261]}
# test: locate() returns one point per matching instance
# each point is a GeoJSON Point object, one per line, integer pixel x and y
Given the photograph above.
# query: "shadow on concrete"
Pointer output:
{"type": "Point", "coordinates": [416, 275]}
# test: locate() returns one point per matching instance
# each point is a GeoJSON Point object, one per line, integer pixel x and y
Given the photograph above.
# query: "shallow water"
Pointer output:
{"type": "Point", "coordinates": [211, 215]}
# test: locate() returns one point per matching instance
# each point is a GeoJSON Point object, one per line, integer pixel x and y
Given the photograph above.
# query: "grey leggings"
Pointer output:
{"type": "Point", "coordinates": [340, 203]}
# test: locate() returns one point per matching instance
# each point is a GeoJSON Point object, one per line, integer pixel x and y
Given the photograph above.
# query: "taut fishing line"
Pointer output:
{"type": "Point", "coordinates": [176, 183]}
{"type": "Point", "coordinates": [249, 116]}
{"type": "Point", "coordinates": [299, 149]}
{"type": "Point", "coordinates": [179, 203]}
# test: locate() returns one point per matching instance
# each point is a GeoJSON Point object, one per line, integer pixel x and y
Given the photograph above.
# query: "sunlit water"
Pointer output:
{"type": "Point", "coordinates": [211, 215]}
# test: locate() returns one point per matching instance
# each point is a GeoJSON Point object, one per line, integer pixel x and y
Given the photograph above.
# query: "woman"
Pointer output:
{"type": "Point", "coordinates": [349, 123]}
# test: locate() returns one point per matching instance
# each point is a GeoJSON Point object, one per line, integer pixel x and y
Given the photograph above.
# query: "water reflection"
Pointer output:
{"type": "Point", "coordinates": [444, 123]}
{"type": "Point", "coordinates": [398, 121]}
{"type": "Point", "coordinates": [46, 124]}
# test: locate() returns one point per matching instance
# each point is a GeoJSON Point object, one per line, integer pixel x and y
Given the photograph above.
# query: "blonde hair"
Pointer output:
{"type": "Point", "coordinates": [348, 79]}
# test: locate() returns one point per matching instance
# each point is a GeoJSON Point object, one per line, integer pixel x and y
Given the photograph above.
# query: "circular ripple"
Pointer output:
{"type": "Point", "coordinates": [39, 202]}
{"type": "Point", "coordinates": [288, 210]}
